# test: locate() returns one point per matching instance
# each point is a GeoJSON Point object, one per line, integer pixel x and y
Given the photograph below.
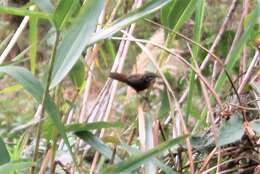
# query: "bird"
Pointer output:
{"type": "Point", "coordinates": [138, 82]}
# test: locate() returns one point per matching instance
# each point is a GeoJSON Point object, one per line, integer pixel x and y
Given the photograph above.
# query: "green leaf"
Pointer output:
{"type": "Point", "coordinates": [75, 40]}
{"type": "Point", "coordinates": [198, 29]}
{"type": "Point", "coordinates": [81, 34]}
{"type": "Point", "coordinates": [77, 74]}
{"type": "Point", "coordinates": [136, 161]}
{"type": "Point", "coordinates": [176, 12]}
{"type": "Point", "coordinates": [15, 166]}
{"type": "Point", "coordinates": [5, 157]}
{"type": "Point", "coordinates": [44, 5]}
{"type": "Point", "coordinates": [10, 89]}
{"type": "Point", "coordinates": [156, 162]}
{"type": "Point", "coordinates": [92, 126]}
{"type": "Point", "coordinates": [137, 14]}
{"type": "Point", "coordinates": [63, 12]}
{"type": "Point", "coordinates": [165, 11]}
{"type": "Point", "coordinates": [22, 12]}
{"type": "Point", "coordinates": [255, 33]}
{"type": "Point", "coordinates": [35, 88]}
{"type": "Point", "coordinates": [33, 35]}
{"type": "Point", "coordinates": [49, 130]}
{"type": "Point", "coordinates": [231, 130]}
{"type": "Point", "coordinates": [97, 144]}
{"type": "Point", "coordinates": [26, 79]}
{"type": "Point", "coordinates": [110, 48]}
{"type": "Point", "coordinates": [185, 15]}
{"type": "Point", "coordinates": [21, 143]}
{"type": "Point", "coordinates": [200, 8]}
{"type": "Point", "coordinates": [255, 125]}
{"type": "Point", "coordinates": [178, 15]}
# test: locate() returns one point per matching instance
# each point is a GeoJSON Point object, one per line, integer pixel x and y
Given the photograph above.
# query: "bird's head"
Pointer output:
{"type": "Point", "coordinates": [149, 76]}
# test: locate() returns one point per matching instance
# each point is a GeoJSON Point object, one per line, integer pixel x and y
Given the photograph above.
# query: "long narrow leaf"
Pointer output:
{"type": "Point", "coordinates": [135, 161]}
{"type": "Point", "coordinates": [97, 144]}
{"type": "Point", "coordinates": [75, 40]}
{"type": "Point", "coordinates": [195, 50]}
{"type": "Point", "coordinates": [178, 10]}
{"type": "Point", "coordinates": [62, 13]}
{"type": "Point", "coordinates": [33, 35]}
{"type": "Point", "coordinates": [81, 35]}
{"type": "Point", "coordinates": [5, 157]}
{"type": "Point", "coordinates": [143, 11]}
{"type": "Point", "coordinates": [15, 166]}
{"type": "Point", "coordinates": [22, 12]}
{"type": "Point", "coordinates": [158, 163]}
{"type": "Point", "coordinates": [35, 88]}
{"type": "Point", "coordinates": [165, 11]}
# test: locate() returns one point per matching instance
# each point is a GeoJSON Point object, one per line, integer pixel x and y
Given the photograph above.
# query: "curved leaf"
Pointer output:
{"type": "Point", "coordinates": [165, 11]}
{"type": "Point", "coordinates": [231, 130]}
{"type": "Point", "coordinates": [181, 11]}
{"type": "Point", "coordinates": [79, 36]}
{"type": "Point", "coordinates": [24, 12]}
{"type": "Point", "coordinates": [139, 13]}
{"type": "Point", "coordinates": [156, 162]}
{"type": "Point", "coordinates": [75, 40]}
{"type": "Point", "coordinates": [135, 161]}
{"type": "Point", "coordinates": [97, 144]}
{"type": "Point", "coordinates": [62, 13]}
{"type": "Point", "coordinates": [35, 88]}
{"type": "Point", "coordinates": [78, 74]}
{"type": "Point", "coordinates": [15, 165]}
{"type": "Point", "coordinates": [5, 157]}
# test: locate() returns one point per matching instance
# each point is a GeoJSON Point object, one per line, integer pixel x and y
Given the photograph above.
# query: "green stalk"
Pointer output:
{"type": "Point", "coordinates": [46, 92]}
{"type": "Point", "coordinates": [195, 50]}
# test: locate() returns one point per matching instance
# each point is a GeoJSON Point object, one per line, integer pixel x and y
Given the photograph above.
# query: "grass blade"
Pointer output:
{"type": "Point", "coordinates": [135, 161]}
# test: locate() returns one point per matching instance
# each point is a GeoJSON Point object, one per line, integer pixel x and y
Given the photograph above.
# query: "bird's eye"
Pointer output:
{"type": "Point", "coordinates": [149, 78]}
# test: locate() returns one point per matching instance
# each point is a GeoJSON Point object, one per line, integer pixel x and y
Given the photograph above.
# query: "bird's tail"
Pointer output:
{"type": "Point", "coordinates": [118, 76]}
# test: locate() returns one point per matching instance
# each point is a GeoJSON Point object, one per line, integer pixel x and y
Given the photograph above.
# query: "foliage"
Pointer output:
{"type": "Point", "coordinates": [55, 87]}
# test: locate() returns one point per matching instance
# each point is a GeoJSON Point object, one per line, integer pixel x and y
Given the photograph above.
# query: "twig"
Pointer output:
{"type": "Point", "coordinates": [172, 94]}
{"type": "Point", "coordinates": [225, 162]}
{"type": "Point", "coordinates": [180, 58]}
{"type": "Point", "coordinates": [202, 66]}
{"type": "Point", "coordinates": [248, 73]}
{"type": "Point", "coordinates": [221, 31]}
{"type": "Point", "coordinates": [15, 37]}
{"type": "Point", "coordinates": [243, 61]}
{"type": "Point", "coordinates": [210, 110]}
{"type": "Point", "coordinates": [245, 108]}
{"type": "Point", "coordinates": [207, 160]}
{"type": "Point", "coordinates": [111, 89]}
{"type": "Point", "coordinates": [45, 161]}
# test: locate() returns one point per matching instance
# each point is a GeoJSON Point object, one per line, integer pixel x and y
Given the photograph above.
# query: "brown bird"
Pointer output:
{"type": "Point", "coordinates": [139, 82]}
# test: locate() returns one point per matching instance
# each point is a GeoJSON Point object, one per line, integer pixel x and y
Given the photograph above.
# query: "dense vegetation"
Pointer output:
{"type": "Point", "coordinates": [60, 112]}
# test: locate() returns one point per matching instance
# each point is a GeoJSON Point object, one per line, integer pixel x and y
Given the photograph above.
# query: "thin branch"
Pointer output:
{"type": "Point", "coordinates": [179, 57]}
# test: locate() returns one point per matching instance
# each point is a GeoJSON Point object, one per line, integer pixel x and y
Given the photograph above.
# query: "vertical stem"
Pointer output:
{"type": "Point", "coordinates": [54, 146]}
{"type": "Point", "coordinates": [149, 168]}
{"type": "Point", "coordinates": [46, 92]}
